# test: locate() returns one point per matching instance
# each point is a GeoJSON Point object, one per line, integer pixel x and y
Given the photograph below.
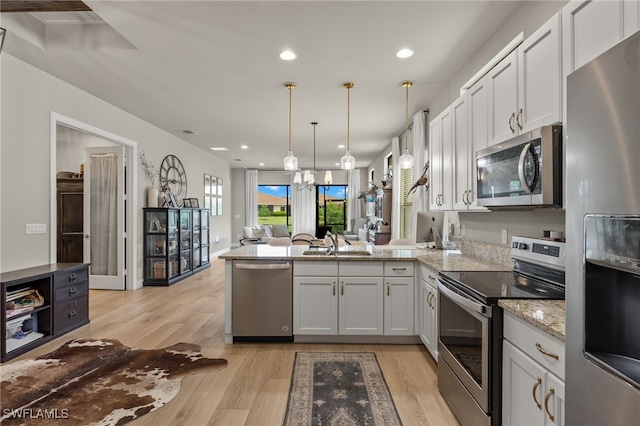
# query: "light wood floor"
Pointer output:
{"type": "Point", "coordinates": [253, 389]}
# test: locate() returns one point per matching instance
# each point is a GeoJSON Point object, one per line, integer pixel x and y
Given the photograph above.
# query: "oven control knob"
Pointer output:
{"type": "Point", "coordinates": [522, 246]}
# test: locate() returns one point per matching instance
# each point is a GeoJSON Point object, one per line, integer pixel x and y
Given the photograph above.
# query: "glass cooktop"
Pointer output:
{"type": "Point", "coordinates": [490, 286]}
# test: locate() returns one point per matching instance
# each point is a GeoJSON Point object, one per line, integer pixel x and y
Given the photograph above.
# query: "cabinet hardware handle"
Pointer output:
{"type": "Point", "coordinates": [545, 352]}
{"type": "Point", "coordinates": [429, 299]}
{"type": "Point", "coordinates": [518, 119]}
{"type": "Point", "coordinates": [468, 200]}
{"type": "Point", "coordinates": [72, 277]}
{"type": "Point", "coordinates": [388, 289]}
{"type": "Point", "coordinates": [533, 392]}
{"type": "Point", "coordinates": [513, 114]}
{"type": "Point", "coordinates": [399, 269]}
{"type": "Point", "coordinates": [431, 277]}
{"type": "Point", "coordinates": [342, 288]}
{"type": "Point", "coordinates": [72, 291]}
{"type": "Point", "coordinates": [72, 314]}
{"type": "Point", "coordinates": [333, 285]}
{"type": "Point", "coordinates": [546, 404]}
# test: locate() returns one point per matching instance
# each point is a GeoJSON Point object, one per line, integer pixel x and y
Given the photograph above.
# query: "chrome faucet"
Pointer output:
{"type": "Point", "coordinates": [334, 242]}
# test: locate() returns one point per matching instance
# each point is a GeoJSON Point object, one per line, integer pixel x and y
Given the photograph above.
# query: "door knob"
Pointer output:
{"type": "Point", "coordinates": [86, 235]}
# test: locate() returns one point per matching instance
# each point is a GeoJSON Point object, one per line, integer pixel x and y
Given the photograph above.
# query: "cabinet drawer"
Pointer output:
{"type": "Point", "coordinates": [64, 278]}
{"type": "Point", "coordinates": [71, 291]}
{"type": "Point", "coordinates": [398, 269]}
{"type": "Point", "coordinates": [71, 313]}
{"type": "Point", "coordinates": [360, 269]}
{"type": "Point", "coordinates": [427, 275]}
{"type": "Point", "coordinates": [318, 268]}
{"type": "Point", "coordinates": [535, 343]}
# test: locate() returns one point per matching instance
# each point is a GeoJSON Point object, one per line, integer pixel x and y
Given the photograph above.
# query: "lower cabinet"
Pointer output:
{"type": "Point", "coordinates": [531, 392]}
{"type": "Point", "coordinates": [428, 310]}
{"type": "Point", "coordinates": [351, 298]}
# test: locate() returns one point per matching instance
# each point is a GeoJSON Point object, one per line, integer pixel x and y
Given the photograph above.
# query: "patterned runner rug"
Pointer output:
{"type": "Point", "coordinates": [339, 388]}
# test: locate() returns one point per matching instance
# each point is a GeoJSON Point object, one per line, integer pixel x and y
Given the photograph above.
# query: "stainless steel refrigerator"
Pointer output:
{"type": "Point", "coordinates": [603, 239]}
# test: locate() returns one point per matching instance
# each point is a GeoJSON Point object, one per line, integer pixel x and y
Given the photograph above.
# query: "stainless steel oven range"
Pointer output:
{"type": "Point", "coordinates": [470, 325]}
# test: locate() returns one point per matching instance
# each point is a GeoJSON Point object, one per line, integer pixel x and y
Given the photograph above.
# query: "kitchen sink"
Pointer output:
{"type": "Point", "coordinates": [315, 252]}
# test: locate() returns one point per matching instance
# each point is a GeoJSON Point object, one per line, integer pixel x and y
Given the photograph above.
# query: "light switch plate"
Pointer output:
{"type": "Point", "coordinates": [36, 228]}
{"type": "Point", "coordinates": [505, 237]}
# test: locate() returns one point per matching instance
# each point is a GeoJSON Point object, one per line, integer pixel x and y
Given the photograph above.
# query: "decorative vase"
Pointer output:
{"type": "Point", "coordinates": [152, 196]}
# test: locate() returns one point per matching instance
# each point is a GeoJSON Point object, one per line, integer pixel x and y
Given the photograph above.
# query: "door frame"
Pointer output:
{"type": "Point", "coordinates": [131, 154]}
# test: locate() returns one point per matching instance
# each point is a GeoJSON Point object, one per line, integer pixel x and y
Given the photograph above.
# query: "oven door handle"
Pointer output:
{"type": "Point", "coordinates": [463, 301]}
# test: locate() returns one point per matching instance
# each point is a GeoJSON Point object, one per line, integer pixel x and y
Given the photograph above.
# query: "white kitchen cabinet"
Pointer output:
{"type": "Point", "coordinates": [399, 289]}
{"type": "Point", "coordinates": [532, 381]}
{"type": "Point", "coordinates": [478, 135]}
{"type": "Point", "coordinates": [631, 23]}
{"type": "Point", "coordinates": [525, 88]}
{"type": "Point", "coordinates": [461, 152]}
{"type": "Point", "coordinates": [440, 162]}
{"type": "Point", "coordinates": [331, 298]}
{"type": "Point", "coordinates": [428, 305]}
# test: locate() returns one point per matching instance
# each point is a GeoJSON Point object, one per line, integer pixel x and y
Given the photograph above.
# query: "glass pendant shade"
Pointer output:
{"type": "Point", "coordinates": [290, 162]}
{"type": "Point", "coordinates": [308, 177]}
{"type": "Point", "coordinates": [347, 162]}
{"type": "Point", "coordinates": [406, 160]}
{"type": "Point", "coordinates": [297, 178]}
{"type": "Point", "coordinates": [328, 177]}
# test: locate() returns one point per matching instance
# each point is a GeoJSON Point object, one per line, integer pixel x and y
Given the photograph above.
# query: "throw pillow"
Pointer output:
{"type": "Point", "coordinates": [247, 232]}
{"type": "Point", "coordinates": [280, 231]}
{"type": "Point", "coordinates": [268, 229]}
{"type": "Point", "coordinates": [259, 233]}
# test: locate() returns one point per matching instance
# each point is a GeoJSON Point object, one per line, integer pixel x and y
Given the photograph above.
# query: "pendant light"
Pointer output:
{"type": "Point", "coordinates": [290, 162]}
{"type": "Point", "coordinates": [406, 160]}
{"type": "Point", "coordinates": [348, 162]}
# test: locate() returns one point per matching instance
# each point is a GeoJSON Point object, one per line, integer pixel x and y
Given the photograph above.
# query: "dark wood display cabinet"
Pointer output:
{"type": "Point", "coordinates": [176, 244]}
{"type": "Point", "coordinates": [42, 303]}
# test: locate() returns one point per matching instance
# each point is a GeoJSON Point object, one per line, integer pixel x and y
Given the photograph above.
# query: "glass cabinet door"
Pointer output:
{"type": "Point", "coordinates": [185, 240]}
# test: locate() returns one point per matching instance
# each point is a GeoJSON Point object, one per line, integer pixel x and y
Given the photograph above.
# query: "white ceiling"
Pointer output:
{"type": "Point", "coordinates": [213, 67]}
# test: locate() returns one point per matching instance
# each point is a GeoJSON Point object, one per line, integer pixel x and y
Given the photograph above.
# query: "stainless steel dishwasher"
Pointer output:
{"type": "Point", "coordinates": [262, 301]}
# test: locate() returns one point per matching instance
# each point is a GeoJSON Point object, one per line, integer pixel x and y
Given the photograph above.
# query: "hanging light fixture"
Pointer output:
{"type": "Point", "coordinates": [406, 160]}
{"type": "Point", "coordinates": [309, 178]}
{"type": "Point", "coordinates": [348, 162]}
{"type": "Point", "coordinates": [290, 162]}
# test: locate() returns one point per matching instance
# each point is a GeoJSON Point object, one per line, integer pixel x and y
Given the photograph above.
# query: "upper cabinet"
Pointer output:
{"type": "Point", "coordinates": [631, 23]}
{"type": "Point", "coordinates": [525, 88]}
{"type": "Point", "coordinates": [440, 148]}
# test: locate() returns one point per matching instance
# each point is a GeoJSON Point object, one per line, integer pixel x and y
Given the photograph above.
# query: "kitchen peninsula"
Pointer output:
{"type": "Point", "coordinates": [370, 294]}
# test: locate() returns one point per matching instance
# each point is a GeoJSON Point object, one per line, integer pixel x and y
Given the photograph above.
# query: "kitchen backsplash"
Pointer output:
{"type": "Point", "coordinates": [485, 251]}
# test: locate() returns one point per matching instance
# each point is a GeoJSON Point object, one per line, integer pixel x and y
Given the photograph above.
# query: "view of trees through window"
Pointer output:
{"type": "Point", "coordinates": [332, 207]}
{"type": "Point", "coordinates": [274, 205]}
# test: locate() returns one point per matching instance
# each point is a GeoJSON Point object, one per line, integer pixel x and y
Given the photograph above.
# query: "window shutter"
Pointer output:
{"type": "Point", "coordinates": [406, 203]}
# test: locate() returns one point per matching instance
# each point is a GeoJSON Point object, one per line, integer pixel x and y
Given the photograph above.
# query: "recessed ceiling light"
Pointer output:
{"type": "Point", "coordinates": [336, 164]}
{"type": "Point", "coordinates": [287, 55]}
{"type": "Point", "coordinates": [340, 146]}
{"type": "Point", "coordinates": [261, 164]}
{"type": "Point", "coordinates": [189, 132]}
{"type": "Point", "coordinates": [218, 148]}
{"type": "Point", "coordinates": [237, 159]}
{"type": "Point", "coordinates": [404, 53]}
{"type": "Point", "coordinates": [244, 147]}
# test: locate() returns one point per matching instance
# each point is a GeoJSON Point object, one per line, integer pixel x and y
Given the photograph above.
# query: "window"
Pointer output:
{"type": "Point", "coordinates": [332, 207]}
{"type": "Point", "coordinates": [406, 203]}
{"type": "Point", "coordinates": [274, 205]}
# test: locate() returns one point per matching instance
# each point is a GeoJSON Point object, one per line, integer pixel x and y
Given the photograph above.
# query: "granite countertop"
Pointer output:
{"type": "Point", "coordinates": [454, 260]}
{"type": "Point", "coordinates": [378, 253]}
{"type": "Point", "coordinates": [546, 315]}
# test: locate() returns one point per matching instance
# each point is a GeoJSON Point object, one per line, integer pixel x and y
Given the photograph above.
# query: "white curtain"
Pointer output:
{"type": "Point", "coordinates": [251, 197]}
{"type": "Point", "coordinates": [395, 197]}
{"type": "Point", "coordinates": [354, 209]}
{"type": "Point", "coordinates": [104, 214]}
{"type": "Point", "coordinates": [303, 210]}
{"type": "Point", "coordinates": [419, 150]}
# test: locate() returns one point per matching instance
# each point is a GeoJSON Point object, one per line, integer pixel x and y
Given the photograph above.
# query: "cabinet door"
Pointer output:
{"type": "Point", "coordinates": [435, 163]}
{"type": "Point", "coordinates": [631, 22]}
{"type": "Point", "coordinates": [522, 388]}
{"type": "Point", "coordinates": [360, 305]}
{"type": "Point", "coordinates": [503, 99]}
{"type": "Point", "coordinates": [398, 306]}
{"type": "Point", "coordinates": [588, 29]}
{"type": "Point", "coordinates": [554, 403]}
{"type": "Point", "coordinates": [315, 305]}
{"type": "Point", "coordinates": [540, 77]}
{"type": "Point", "coordinates": [478, 133]}
{"type": "Point", "coordinates": [461, 153]}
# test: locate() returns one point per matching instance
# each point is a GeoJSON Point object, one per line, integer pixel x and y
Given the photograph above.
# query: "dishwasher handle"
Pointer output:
{"type": "Point", "coordinates": [269, 266]}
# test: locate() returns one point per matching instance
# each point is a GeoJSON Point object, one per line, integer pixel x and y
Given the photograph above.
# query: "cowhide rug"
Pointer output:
{"type": "Point", "coordinates": [102, 382]}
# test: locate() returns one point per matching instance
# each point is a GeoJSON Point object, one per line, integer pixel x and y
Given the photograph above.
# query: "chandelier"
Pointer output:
{"type": "Point", "coordinates": [308, 180]}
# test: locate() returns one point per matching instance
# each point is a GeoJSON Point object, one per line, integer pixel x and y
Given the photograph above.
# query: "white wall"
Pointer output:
{"type": "Point", "coordinates": [29, 95]}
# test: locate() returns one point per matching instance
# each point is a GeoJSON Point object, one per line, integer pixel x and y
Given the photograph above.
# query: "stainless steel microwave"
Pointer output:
{"type": "Point", "coordinates": [524, 171]}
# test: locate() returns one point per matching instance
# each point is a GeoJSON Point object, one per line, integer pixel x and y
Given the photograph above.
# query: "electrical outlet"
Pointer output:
{"type": "Point", "coordinates": [463, 230]}
{"type": "Point", "coordinates": [458, 229]}
{"type": "Point", "coordinates": [36, 228]}
{"type": "Point", "coordinates": [505, 237]}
